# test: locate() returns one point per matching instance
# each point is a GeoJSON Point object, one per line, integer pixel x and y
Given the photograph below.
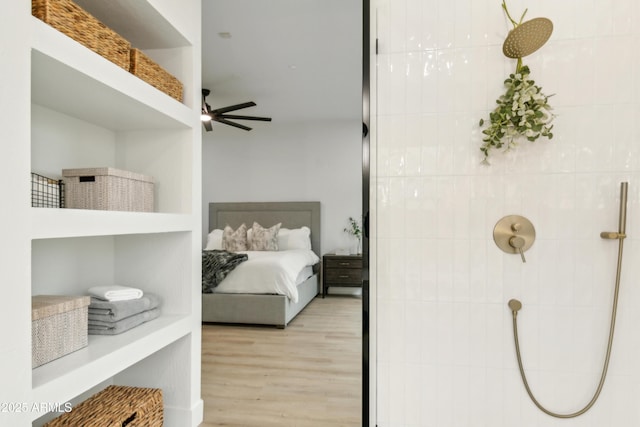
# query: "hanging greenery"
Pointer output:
{"type": "Point", "coordinates": [522, 112]}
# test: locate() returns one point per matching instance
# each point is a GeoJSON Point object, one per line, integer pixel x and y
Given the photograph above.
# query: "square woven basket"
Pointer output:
{"type": "Point", "coordinates": [108, 189]}
{"type": "Point", "coordinates": [58, 326]}
{"type": "Point", "coordinates": [70, 19]}
{"type": "Point", "coordinates": [145, 68]}
{"type": "Point", "coordinates": [116, 406]}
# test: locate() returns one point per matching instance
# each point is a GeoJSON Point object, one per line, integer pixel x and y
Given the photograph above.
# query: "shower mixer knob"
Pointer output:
{"type": "Point", "coordinates": [517, 243]}
{"type": "Point", "coordinates": [514, 234]}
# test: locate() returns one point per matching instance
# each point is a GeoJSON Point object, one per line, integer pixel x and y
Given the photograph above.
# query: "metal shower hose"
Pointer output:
{"type": "Point", "coordinates": [515, 305]}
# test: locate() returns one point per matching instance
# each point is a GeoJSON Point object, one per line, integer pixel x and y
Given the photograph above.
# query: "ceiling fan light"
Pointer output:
{"type": "Point", "coordinates": [205, 117]}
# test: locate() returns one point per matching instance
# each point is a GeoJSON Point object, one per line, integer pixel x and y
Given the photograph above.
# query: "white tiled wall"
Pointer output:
{"type": "Point", "coordinates": [444, 346]}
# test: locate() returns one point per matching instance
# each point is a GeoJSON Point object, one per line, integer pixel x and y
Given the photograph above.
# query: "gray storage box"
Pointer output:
{"type": "Point", "coordinates": [108, 189]}
{"type": "Point", "coordinates": [58, 326]}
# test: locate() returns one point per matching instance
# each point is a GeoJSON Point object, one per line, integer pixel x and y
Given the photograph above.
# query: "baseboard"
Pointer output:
{"type": "Point", "coordinates": [181, 417]}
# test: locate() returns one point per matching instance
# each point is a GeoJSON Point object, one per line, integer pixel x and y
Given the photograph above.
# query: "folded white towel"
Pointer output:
{"type": "Point", "coordinates": [115, 293]}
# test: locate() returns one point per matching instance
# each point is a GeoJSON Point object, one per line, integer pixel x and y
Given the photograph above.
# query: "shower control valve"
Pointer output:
{"type": "Point", "coordinates": [514, 234]}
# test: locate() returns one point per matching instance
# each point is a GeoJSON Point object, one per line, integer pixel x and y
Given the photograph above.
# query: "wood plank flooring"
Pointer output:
{"type": "Point", "coordinates": [307, 375]}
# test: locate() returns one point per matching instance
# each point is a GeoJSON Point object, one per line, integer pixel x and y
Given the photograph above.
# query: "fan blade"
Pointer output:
{"type": "Point", "coordinates": [226, 122]}
{"type": "Point", "coordinates": [233, 108]}
{"type": "Point", "coordinates": [207, 126]}
{"type": "Point", "coordinates": [230, 116]}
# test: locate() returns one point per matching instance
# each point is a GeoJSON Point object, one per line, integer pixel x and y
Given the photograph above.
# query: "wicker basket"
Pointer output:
{"type": "Point", "coordinates": [58, 326]}
{"type": "Point", "coordinates": [145, 68]}
{"type": "Point", "coordinates": [70, 19]}
{"type": "Point", "coordinates": [116, 406]}
{"type": "Point", "coordinates": [108, 189]}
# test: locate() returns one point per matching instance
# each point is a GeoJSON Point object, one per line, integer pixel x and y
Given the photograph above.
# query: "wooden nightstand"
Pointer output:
{"type": "Point", "coordinates": [341, 271]}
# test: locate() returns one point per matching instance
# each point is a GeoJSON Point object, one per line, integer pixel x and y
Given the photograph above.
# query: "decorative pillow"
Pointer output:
{"type": "Point", "coordinates": [214, 240]}
{"type": "Point", "coordinates": [249, 236]}
{"type": "Point", "coordinates": [234, 240]}
{"type": "Point", "coordinates": [264, 239]}
{"type": "Point", "coordinates": [296, 238]}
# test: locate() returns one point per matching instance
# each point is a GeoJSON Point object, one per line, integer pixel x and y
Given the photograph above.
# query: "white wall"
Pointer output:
{"type": "Point", "coordinates": [313, 161]}
{"type": "Point", "coordinates": [445, 354]}
{"type": "Point", "coordinates": [57, 143]}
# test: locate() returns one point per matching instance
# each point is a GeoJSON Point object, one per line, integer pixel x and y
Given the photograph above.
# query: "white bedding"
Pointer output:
{"type": "Point", "coordinates": [269, 272]}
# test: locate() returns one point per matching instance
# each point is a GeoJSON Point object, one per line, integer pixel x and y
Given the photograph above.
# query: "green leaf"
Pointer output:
{"type": "Point", "coordinates": [517, 114]}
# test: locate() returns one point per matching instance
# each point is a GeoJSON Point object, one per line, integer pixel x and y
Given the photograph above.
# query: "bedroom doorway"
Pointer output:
{"type": "Point", "coordinates": [297, 157]}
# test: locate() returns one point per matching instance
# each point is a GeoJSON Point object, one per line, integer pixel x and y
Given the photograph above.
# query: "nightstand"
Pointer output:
{"type": "Point", "coordinates": [341, 271]}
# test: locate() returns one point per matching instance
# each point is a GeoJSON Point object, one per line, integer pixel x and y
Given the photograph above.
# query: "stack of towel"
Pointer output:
{"type": "Point", "coordinates": [116, 309]}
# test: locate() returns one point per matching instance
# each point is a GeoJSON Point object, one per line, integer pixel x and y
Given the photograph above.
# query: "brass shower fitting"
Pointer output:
{"type": "Point", "coordinates": [516, 305]}
{"type": "Point", "coordinates": [514, 234]}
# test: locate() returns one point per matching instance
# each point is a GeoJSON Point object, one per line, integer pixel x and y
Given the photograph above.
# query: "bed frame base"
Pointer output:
{"type": "Point", "coordinates": [275, 310]}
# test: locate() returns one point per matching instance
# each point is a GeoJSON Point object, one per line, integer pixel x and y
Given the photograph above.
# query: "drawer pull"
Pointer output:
{"type": "Point", "coordinates": [344, 276]}
{"type": "Point", "coordinates": [344, 263]}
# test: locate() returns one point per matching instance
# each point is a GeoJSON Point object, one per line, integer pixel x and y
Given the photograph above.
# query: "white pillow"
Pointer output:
{"type": "Point", "coordinates": [297, 238]}
{"type": "Point", "coordinates": [214, 240]}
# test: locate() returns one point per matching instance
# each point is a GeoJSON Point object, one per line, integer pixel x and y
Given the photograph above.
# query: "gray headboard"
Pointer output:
{"type": "Point", "coordinates": [290, 214]}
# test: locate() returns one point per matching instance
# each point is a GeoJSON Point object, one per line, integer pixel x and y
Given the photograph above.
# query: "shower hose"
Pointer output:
{"type": "Point", "coordinates": [516, 305]}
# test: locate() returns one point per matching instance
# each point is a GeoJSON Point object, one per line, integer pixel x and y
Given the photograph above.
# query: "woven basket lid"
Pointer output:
{"type": "Point", "coordinates": [48, 305]}
{"type": "Point", "coordinates": [527, 37]}
{"type": "Point", "coordinates": [106, 171]}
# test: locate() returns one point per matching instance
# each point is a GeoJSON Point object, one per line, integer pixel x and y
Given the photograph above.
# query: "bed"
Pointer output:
{"type": "Point", "coordinates": [264, 309]}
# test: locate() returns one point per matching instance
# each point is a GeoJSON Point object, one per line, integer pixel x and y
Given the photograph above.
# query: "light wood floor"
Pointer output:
{"type": "Point", "coordinates": [307, 375]}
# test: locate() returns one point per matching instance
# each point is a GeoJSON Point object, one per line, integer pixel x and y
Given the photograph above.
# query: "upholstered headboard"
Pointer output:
{"type": "Point", "coordinates": [290, 214]}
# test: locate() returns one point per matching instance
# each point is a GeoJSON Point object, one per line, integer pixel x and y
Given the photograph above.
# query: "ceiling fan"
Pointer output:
{"type": "Point", "coordinates": [219, 115]}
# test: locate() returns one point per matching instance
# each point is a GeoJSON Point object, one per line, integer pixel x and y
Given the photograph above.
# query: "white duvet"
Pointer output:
{"type": "Point", "coordinates": [268, 272]}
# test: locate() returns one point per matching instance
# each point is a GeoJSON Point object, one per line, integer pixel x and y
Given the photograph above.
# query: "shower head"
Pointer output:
{"type": "Point", "coordinates": [527, 37]}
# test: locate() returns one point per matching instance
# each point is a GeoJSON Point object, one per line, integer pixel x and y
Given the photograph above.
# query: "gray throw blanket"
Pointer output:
{"type": "Point", "coordinates": [112, 311]}
{"type": "Point", "coordinates": [216, 265]}
{"type": "Point", "coordinates": [98, 327]}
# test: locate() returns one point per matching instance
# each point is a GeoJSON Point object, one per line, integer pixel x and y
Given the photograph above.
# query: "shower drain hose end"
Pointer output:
{"type": "Point", "coordinates": [515, 306]}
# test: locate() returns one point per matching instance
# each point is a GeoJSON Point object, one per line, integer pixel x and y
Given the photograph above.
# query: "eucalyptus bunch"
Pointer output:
{"type": "Point", "coordinates": [523, 112]}
{"type": "Point", "coordinates": [354, 228]}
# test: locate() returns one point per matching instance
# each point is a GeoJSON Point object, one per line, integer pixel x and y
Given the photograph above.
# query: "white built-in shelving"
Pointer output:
{"type": "Point", "coordinates": [67, 107]}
